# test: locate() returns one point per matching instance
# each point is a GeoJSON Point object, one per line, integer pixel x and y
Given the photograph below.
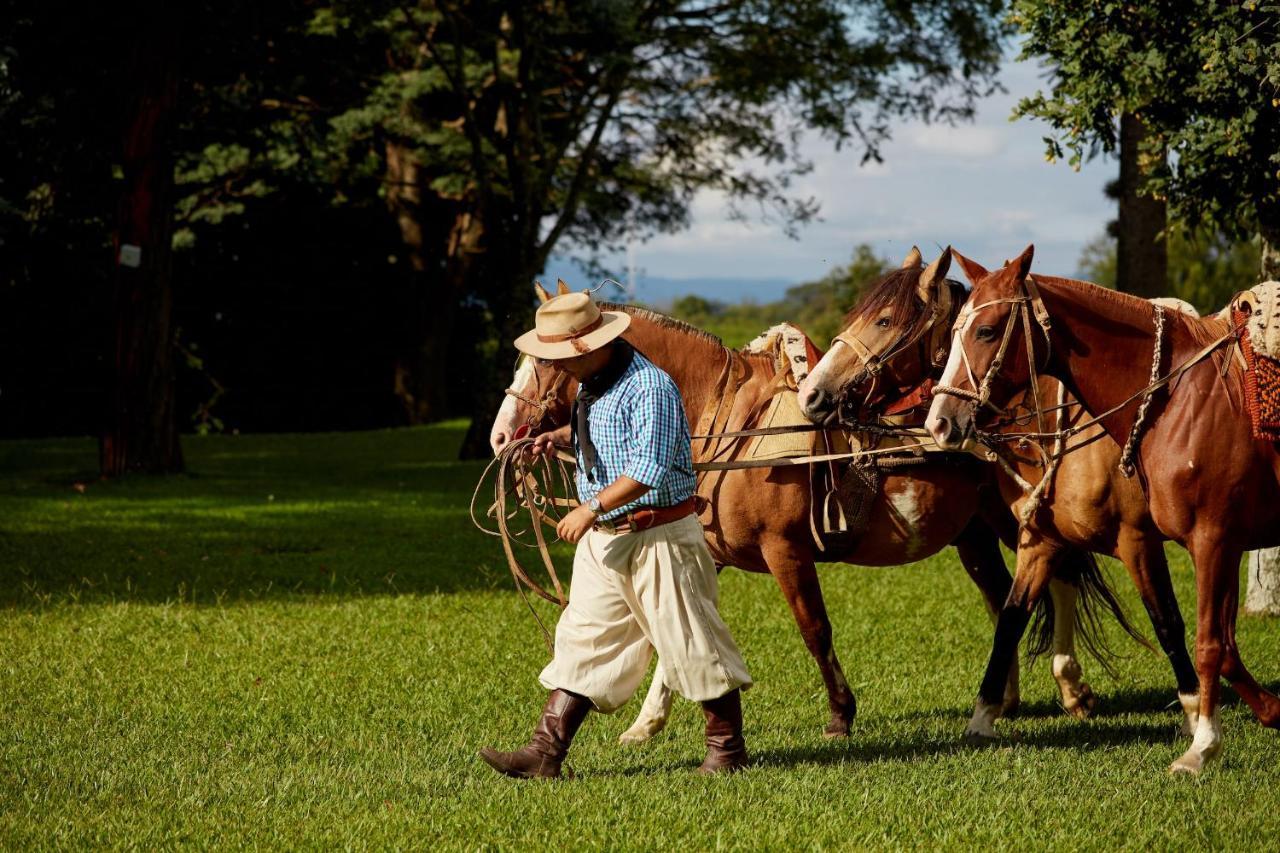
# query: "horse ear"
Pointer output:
{"type": "Point", "coordinates": [1023, 262]}
{"type": "Point", "coordinates": [933, 275]}
{"type": "Point", "coordinates": [913, 259]}
{"type": "Point", "coordinates": [561, 287]}
{"type": "Point", "coordinates": [543, 296]}
{"type": "Point", "coordinates": [973, 270]}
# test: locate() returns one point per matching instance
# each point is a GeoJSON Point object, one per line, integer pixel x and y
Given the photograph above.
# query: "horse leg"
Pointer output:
{"type": "Point", "coordinates": [1035, 567]}
{"type": "Point", "coordinates": [798, 580]}
{"type": "Point", "coordinates": [1217, 582]}
{"type": "Point", "coordinates": [1143, 555]}
{"type": "Point", "coordinates": [978, 547]}
{"type": "Point", "coordinates": [1078, 698]}
{"type": "Point", "coordinates": [1264, 704]}
{"type": "Point", "coordinates": [654, 713]}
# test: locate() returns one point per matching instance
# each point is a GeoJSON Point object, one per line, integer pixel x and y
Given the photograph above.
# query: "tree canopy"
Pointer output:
{"type": "Point", "coordinates": [409, 167]}
{"type": "Point", "coordinates": [1203, 76]}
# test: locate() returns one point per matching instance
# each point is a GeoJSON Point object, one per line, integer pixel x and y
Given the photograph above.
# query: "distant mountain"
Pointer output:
{"type": "Point", "coordinates": [660, 291]}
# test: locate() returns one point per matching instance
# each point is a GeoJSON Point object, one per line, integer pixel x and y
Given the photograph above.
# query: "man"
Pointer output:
{"type": "Point", "coordinates": [643, 578]}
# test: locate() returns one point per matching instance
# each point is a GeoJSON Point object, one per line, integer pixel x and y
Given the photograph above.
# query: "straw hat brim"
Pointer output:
{"type": "Point", "coordinates": [612, 324]}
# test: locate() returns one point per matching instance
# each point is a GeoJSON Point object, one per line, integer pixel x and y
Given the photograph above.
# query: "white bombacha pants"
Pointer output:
{"type": "Point", "coordinates": [632, 594]}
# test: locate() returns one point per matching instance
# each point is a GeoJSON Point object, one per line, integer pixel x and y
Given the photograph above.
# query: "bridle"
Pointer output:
{"type": "Point", "coordinates": [873, 363]}
{"type": "Point", "coordinates": [540, 404]}
{"type": "Point", "coordinates": [1026, 306]}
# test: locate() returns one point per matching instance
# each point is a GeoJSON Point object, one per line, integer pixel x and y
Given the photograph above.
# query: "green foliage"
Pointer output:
{"type": "Point", "coordinates": [817, 307]}
{"type": "Point", "coordinates": [304, 643]}
{"type": "Point", "coordinates": [1205, 271]}
{"type": "Point", "coordinates": [1203, 76]}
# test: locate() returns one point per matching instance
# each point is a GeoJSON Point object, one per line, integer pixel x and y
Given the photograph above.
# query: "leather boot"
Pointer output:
{"type": "Point", "coordinates": [541, 758]}
{"type": "Point", "coordinates": [726, 749]}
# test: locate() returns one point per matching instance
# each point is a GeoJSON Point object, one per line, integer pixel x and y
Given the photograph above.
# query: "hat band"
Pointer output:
{"type": "Point", "coordinates": [587, 329]}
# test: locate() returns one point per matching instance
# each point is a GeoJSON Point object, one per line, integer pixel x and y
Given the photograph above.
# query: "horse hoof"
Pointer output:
{"type": "Point", "coordinates": [630, 738]}
{"type": "Point", "coordinates": [980, 740]}
{"type": "Point", "coordinates": [641, 731]}
{"type": "Point", "coordinates": [834, 730]}
{"type": "Point", "coordinates": [1185, 766]}
{"type": "Point", "coordinates": [1084, 703]}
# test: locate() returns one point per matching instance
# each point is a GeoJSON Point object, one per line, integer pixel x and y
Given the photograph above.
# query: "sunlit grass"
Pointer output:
{"type": "Point", "coordinates": [303, 642]}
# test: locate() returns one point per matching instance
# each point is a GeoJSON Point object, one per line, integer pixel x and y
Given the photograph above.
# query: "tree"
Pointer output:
{"type": "Point", "coordinates": [507, 131]}
{"type": "Point", "coordinates": [1204, 78]}
{"type": "Point", "coordinates": [1142, 265]}
{"type": "Point", "coordinates": [1204, 270]}
{"type": "Point", "coordinates": [141, 433]}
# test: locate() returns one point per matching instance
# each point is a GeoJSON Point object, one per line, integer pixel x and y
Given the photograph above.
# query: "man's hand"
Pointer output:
{"type": "Point", "coordinates": [542, 444]}
{"type": "Point", "coordinates": [546, 442]}
{"type": "Point", "coordinates": [576, 524]}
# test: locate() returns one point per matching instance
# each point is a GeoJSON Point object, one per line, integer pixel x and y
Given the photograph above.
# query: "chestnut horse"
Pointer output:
{"type": "Point", "coordinates": [1093, 506]}
{"type": "Point", "coordinates": [758, 518]}
{"type": "Point", "coordinates": [1211, 486]}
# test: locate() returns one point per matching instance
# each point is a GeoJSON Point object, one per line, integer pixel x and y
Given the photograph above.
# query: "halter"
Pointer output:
{"type": "Point", "coordinates": [540, 406]}
{"type": "Point", "coordinates": [1025, 306]}
{"type": "Point", "coordinates": [873, 363]}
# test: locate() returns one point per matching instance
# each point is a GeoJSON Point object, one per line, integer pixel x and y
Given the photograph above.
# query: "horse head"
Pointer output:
{"type": "Point", "coordinates": [889, 344]}
{"type": "Point", "coordinates": [538, 399]}
{"type": "Point", "coordinates": [991, 358]}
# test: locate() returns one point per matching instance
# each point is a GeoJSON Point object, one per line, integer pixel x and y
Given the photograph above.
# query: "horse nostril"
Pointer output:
{"type": "Point", "coordinates": [815, 402]}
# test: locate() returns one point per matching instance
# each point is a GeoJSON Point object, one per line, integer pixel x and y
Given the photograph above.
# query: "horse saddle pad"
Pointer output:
{"type": "Point", "coordinates": [1258, 310]}
{"type": "Point", "coordinates": [794, 355]}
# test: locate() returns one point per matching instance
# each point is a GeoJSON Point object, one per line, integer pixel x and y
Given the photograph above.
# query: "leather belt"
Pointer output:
{"type": "Point", "coordinates": [644, 519]}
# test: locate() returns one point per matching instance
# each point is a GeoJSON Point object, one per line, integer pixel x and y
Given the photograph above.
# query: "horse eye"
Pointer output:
{"type": "Point", "coordinates": [986, 333]}
{"type": "Point", "coordinates": [883, 322]}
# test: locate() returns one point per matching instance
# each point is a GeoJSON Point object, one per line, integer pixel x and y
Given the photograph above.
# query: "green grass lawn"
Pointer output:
{"type": "Point", "coordinates": [303, 642]}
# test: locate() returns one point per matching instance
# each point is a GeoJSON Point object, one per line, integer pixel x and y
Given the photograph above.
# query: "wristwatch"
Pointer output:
{"type": "Point", "coordinates": [594, 506]}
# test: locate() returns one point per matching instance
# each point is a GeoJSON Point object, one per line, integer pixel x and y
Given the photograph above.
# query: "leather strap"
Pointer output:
{"type": "Point", "coordinates": [585, 330]}
{"type": "Point", "coordinates": [647, 518]}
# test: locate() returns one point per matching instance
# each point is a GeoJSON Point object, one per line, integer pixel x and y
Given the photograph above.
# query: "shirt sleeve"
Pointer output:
{"type": "Point", "coordinates": [656, 419]}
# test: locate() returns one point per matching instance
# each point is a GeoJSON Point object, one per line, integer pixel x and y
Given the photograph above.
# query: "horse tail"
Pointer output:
{"type": "Point", "coordinates": [1095, 598]}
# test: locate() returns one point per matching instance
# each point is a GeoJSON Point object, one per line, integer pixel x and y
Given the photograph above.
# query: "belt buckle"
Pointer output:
{"type": "Point", "coordinates": [607, 527]}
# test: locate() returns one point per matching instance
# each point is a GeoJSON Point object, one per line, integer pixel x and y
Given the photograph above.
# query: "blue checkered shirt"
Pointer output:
{"type": "Point", "coordinates": [639, 430]}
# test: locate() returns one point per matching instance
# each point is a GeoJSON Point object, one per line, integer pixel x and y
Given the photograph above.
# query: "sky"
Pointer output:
{"type": "Point", "coordinates": [983, 187]}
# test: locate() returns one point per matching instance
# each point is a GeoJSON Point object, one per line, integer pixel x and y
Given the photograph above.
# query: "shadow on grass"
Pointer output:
{"type": "Point", "coordinates": [1090, 736]}
{"type": "Point", "coordinates": [352, 514]}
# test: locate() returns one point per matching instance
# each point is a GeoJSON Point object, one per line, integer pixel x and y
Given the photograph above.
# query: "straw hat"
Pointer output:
{"type": "Point", "coordinates": [570, 325]}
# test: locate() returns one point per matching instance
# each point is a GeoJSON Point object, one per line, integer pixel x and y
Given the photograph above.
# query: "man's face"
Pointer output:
{"type": "Point", "coordinates": [582, 367]}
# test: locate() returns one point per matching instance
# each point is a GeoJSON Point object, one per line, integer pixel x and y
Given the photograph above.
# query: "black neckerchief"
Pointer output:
{"type": "Point", "coordinates": [592, 389]}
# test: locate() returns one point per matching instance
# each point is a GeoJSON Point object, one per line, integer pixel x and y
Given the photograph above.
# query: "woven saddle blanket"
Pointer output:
{"type": "Point", "coordinates": [1258, 310]}
{"type": "Point", "coordinates": [794, 356]}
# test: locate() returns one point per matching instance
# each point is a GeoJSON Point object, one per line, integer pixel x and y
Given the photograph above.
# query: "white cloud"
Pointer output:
{"type": "Point", "coordinates": [964, 142]}
{"type": "Point", "coordinates": [983, 188]}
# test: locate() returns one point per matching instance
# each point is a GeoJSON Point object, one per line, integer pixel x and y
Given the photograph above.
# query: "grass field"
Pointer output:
{"type": "Point", "coordinates": [303, 642]}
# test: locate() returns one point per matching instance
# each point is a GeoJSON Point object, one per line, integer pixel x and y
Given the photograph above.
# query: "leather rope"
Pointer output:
{"type": "Point", "coordinates": [1032, 304]}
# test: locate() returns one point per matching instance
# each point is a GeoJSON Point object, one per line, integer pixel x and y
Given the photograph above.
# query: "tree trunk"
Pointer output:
{"type": "Point", "coordinates": [440, 238]}
{"type": "Point", "coordinates": [1263, 594]}
{"type": "Point", "coordinates": [141, 433]}
{"type": "Point", "coordinates": [513, 310]}
{"type": "Point", "coordinates": [1142, 265]}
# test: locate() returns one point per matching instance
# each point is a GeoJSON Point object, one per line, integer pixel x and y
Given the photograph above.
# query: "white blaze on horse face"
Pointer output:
{"type": "Point", "coordinates": [504, 425]}
{"type": "Point", "coordinates": [825, 380]}
{"type": "Point", "coordinates": [945, 405]}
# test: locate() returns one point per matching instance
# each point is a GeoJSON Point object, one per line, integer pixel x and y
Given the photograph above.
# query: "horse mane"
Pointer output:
{"type": "Point", "coordinates": [663, 321]}
{"type": "Point", "coordinates": [1202, 329]}
{"type": "Point", "coordinates": [895, 290]}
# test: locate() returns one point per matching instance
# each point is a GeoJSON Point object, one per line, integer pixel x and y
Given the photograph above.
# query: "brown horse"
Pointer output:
{"type": "Point", "coordinates": [1093, 506]}
{"type": "Point", "coordinates": [758, 519]}
{"type": "Point", "coordinates": [1211, 486]}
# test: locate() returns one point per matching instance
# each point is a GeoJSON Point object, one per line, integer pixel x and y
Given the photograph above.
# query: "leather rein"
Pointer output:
{"type": "Point", "coordinates": [1026, 306]}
